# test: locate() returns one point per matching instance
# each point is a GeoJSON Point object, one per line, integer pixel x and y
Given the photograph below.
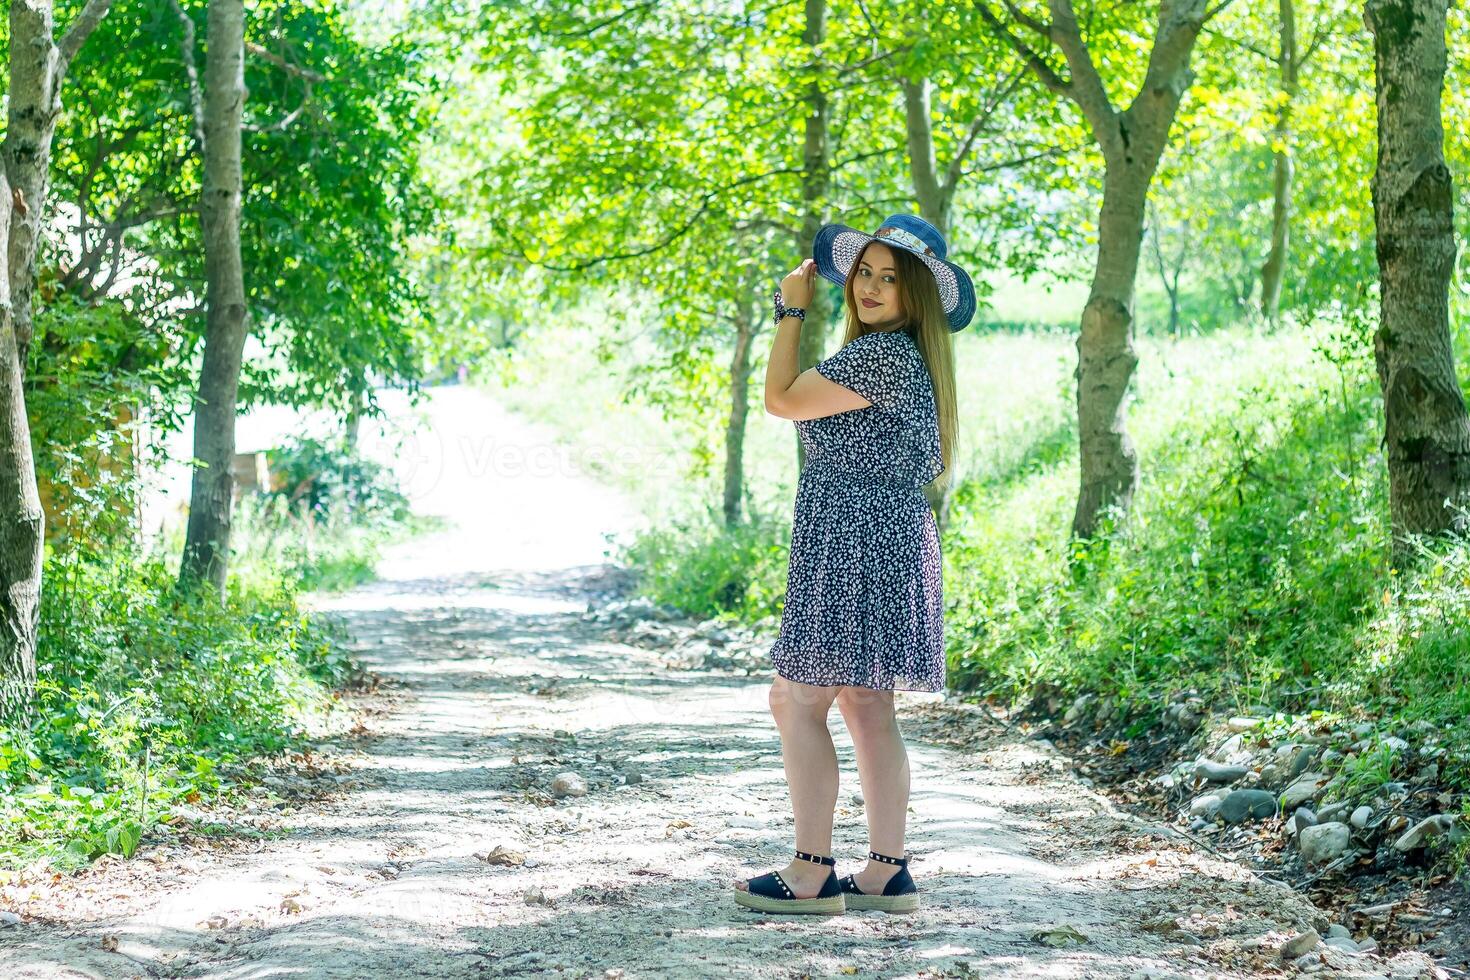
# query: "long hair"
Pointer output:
{"type": "Point", "coordinates": [923, 320]}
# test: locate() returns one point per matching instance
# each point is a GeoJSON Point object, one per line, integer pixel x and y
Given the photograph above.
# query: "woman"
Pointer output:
{"type": "Point", "coordinates": [864, 614]}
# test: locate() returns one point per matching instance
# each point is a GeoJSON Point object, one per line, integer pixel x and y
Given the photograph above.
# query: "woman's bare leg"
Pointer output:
{"type": "Point", "coordinates": [810, 759]}
{"type": "Point", "coordinates": [883, 768]}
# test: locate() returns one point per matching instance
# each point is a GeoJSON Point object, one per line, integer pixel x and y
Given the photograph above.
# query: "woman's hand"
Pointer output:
{"type": "Point", "coordinates": [796, 288]}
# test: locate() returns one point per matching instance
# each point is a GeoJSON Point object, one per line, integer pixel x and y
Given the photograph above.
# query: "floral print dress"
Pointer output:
{"type": "Point", "coordinates": [864, 598]}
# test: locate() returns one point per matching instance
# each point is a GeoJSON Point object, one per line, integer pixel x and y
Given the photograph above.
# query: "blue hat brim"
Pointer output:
{"type": "Point", "coordinates": [822, 254]}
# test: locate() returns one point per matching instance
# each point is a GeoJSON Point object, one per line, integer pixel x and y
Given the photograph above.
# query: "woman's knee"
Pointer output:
{"type": "Point", "coordinates": [866, 710]}
{"type": "Point", "coordinates": [790, 700]}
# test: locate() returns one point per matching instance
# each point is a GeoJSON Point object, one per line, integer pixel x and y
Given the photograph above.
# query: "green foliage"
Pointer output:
{"type": "Point", "coordinates": [1255, 568]}
{"type": "Point", "coordinates": [96, 371]}
{"type": "Point", "coordinates": [285, 547]}
{"type": "Point", "coordinates": [704, 567]}
{"type": "Point", "coordinates": [135, 674]}
{"type": "Point", "coordinates": [321, 478]}
{"type": "Point", "coordinates": [333, 192]}
{"type": "Point", "coordinates": [323, 523]}
{"type": "Point", "coordinates": [1363, 772]}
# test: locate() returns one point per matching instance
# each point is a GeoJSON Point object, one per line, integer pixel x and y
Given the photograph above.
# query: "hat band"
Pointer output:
{"type": "Point", "coordinates": [906, 238]}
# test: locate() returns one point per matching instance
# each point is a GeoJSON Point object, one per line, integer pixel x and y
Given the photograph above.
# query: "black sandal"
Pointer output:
{"type": "Point", "coordinates": [770, 893]}
{"type": "Point", "coordinates": [899, 895]}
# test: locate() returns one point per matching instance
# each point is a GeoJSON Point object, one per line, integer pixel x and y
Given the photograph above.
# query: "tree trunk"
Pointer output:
{"type": "Point", "coordinates": [747, 320]}
{"type": "Point", "coordinates": [1132, 141]}
{"type": "Point", "coordinates": [352, 424]}
{"type": "Point", "coordinates": [815, 187]}
{"type": "Point", "coordinates": [21, 519]}
{"type": "Point", "coordinates": [1274, 269]}
{"type": "Point", "coordinates": [1425, 425]}
{"type": "Point", "coordinates": [207, 547]}
{"type": "Point", "coordinates": [30, 128]}
{"type": "Point", "coordinates": [38, 66]}
{"type": "Point", "coordinates": [923, 166]}
{"type": "Point", "coordinates": [1105, 354]}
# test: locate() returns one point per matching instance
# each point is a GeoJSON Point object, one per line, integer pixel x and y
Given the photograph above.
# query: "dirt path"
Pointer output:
{"type": "Point", "coordinates": [442, 850]}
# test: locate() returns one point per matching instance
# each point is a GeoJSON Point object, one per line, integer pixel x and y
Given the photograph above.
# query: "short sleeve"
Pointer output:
{"type": "Point", "coordinates": [882, 367]}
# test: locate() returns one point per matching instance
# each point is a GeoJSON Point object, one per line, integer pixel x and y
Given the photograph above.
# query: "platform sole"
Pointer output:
{"type": "Point", "coordinates": [796, 906]}
{"type": "Point", "coordinates": [883, 903]}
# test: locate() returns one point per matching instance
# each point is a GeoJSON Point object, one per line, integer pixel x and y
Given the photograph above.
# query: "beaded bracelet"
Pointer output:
{"type": "Point", "coordinates": [784, 311]}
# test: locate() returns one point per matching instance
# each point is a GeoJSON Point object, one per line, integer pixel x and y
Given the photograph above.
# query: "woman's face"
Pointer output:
{"type": "Point", "coordinates": [875, 285]}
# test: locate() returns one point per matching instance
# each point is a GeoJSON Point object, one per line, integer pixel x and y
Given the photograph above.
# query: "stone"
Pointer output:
{"type": "Point", "coordinates": [1206, 805]}
{"type": "Point", "coordinates": [9, 918]}
{"type": "Point", "coordinates": [568, 784]}
{"type": "Point", "coordinates": [1343, 943]}
{"type": "Point", "coordinates": [1368, 945]}
{"type": "Point", "coordinates": [1324, 843]}
{"type": "Point", "coordinates": [1300, 945]}
{"type": "Point", "coordinates": [1361, 816]}
{"type": "Point", "coordinates": [1247, 804]}
{"type": "Point", "coordinates": [1301, 761]}
{"type": "Point", "coordinates": [1231, 746]}
{"type": "Point", "coordinates": [1334, 812]}
{"type": "Point", "coordinates": [1337, 929]}
{"type": "Point", "coordinates": [1059, 936]}
{"type": "Point", "coordinates": [501, 855]}
{"type": "Point", "coordinates": [632, 777]}
{"type": "Point", "coordinates": [1271, 776]}
{"type": "Point", "coordinates": [1077, 708]}
{"type": "Point", "coordinates": [1303, 790]}
{"type": "Point", "coordinates": [1218, 772]}
{"type": "Point", "coordinates": [1415, 836]}
{"type": "Point", "coordinates": [1300, 821]}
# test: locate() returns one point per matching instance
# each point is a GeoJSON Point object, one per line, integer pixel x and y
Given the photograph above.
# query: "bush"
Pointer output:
{"type": "Point", "coordinates": [134, 673]}
{"type": "Point", "coordinates": [324, 480]}
{"type": "Point", "coordinates": [709, 570]}
{"type": "Point", "coordinates": [1254, 567]}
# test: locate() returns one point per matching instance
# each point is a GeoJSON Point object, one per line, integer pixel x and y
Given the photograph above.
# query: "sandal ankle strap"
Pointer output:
{"type": "Point", "coordinates": [815, 859]}
{"type": "Point", "coordinates": [875, 856]}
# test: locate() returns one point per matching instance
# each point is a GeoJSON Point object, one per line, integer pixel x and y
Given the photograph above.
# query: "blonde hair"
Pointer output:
{"type": "Point", "coordinates": [925, 321]}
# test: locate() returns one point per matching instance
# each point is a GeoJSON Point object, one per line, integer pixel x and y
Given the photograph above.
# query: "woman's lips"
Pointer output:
{"type": "Point", "coordinates": [870, 304]}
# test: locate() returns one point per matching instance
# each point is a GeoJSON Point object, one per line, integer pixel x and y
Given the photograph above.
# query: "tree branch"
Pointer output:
{"type": "Point", "coordinates": [280, 124]}
{"type": "Point", "coordinates": [596, 26]}
{"type": "Point", "coordinates": [1088, 90]}
{"type": "Point", "coordinates": [1320, 34]}
{"type": "Point", "coordinates": [1050, 151]}
{"type": "Point", "coordinates": [1040, 68]}
{"type": "Point", "coordinates": [288, 67]}
{"type": "Point", "coordinates": [977, 126]}
{"type": "Point", "coordinates": [1246, 45]}
{"type": "Point", "coordinates": [77, 34]}
{"type": "Point", "coordinates": [1021, 17]}
{"type": "Point", "coordinates": [191, 71]}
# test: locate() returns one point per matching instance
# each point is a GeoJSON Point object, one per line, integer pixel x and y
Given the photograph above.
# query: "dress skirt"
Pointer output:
{"type": "Point", "coordinates": [864, 598]}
